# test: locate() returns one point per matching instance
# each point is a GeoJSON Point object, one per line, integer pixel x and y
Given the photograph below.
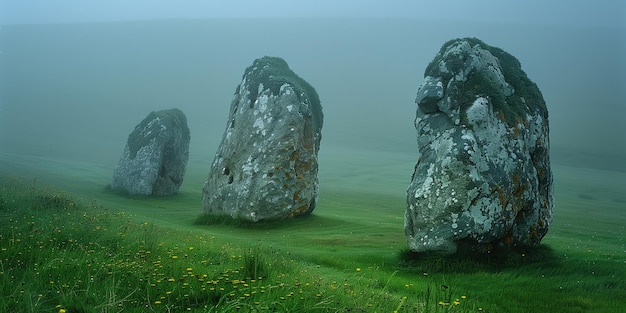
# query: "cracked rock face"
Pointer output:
{"type": "Point", "coordinates": [483, 176]}
{"type": "Point", "coordinates": [155, 155]}
{"type": "Point", "coordinates": [266, 165]}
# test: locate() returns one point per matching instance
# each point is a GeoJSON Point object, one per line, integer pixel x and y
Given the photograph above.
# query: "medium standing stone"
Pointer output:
{"type": "Point", "coordinates": [155, 155]}
{"type": "Point", "coordinates": [483, 176]}
{"type": "Point", "coordinates": [266, 165]}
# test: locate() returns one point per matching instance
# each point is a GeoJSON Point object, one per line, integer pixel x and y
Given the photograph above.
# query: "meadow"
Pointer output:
{"type": "Point", "coordinates": [67, 245]}
{"type": "Point", "coordinates": [71, 93]}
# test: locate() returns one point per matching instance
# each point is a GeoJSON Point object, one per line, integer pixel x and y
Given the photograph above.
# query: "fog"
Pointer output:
{"type": "Point", "coordinates": [76, 90]}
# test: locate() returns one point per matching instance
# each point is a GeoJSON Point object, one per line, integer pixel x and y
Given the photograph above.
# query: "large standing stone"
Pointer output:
{"type": "Point", "coordinates": [483, 176]}
{"type": "Point", "coordinates": [266, 165]}
{"type": "Point", "coordinates": [155, 156]}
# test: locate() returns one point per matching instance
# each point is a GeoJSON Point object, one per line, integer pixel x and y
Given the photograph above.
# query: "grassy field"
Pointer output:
{"type": "Point", "coordinates": [68, 246]}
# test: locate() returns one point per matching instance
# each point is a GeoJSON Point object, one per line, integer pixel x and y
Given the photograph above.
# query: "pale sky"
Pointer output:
{"type": "Point", "coordinates": [565, 12]}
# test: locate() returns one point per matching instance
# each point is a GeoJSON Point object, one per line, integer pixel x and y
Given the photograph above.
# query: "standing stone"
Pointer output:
{"type": "Point", "coordinates": [155, 156]}
{"type": "Point", "coordinates": [266, 165]}
{"type": "Point", "coordinates": [483, 176]}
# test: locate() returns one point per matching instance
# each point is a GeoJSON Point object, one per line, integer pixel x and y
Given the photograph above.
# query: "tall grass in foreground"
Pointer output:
{"type": "Point", "coordinates": [62, 254]}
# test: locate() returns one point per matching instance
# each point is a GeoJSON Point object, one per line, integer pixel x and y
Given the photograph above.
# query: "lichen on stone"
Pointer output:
{"type": "Point", "coordinates": [155, 155]}
{"type": "Point", "coordinates": [272, 73]}
{"type": "Point", "coordinates": [145, 132]}
{"type": "Point", "coordinates": [483, 175]}
{"type": "Point", "coordinates": [266, 165]}
{"type": "Point", "coordinates": [525, 99]}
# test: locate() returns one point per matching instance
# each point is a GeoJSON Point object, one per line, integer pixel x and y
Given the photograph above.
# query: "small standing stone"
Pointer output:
{"type": "Point", "coordinates": [155, 155]}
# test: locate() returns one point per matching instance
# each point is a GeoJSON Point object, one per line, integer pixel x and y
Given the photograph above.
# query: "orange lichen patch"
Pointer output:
{"type": "Point", "coordinates": [533, 235]}
{"type": "Point", "coordinates": [501, 196]}
{"type": "Point", "coordinates": [501, 116]}
{"type": "Point", "coordinates": [516, 131]}
{"type": "Point", "coordinates": [516, 179]}
{"type": "Point", "coordinates": [299, 211]}
{"type": "Point", "coordinates": [294, 156]}
{"type": "Point", "coordinates": [296, 196]}
{"type": "Point", "coordinates": [306, 166]}
{"type": "Point", "coordinates": [519, 188]}
{"type": "Point", "coordinates": [523, 121]}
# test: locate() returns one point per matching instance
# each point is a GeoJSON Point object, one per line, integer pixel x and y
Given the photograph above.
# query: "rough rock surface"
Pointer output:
{"type": "Point", "coordinates": [483, 176]}
{"type": "Point", "coordinates": [266, 165]}
{"type": "Point", "coordinates": [155, 155]}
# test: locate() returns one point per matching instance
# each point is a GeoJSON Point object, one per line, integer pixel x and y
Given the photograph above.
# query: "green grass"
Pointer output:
{"type": "Point", "coordinates": [75, 247]}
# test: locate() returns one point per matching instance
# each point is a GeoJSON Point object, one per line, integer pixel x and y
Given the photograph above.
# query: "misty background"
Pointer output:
{"type": "Point", "coordinates": [74, 88]}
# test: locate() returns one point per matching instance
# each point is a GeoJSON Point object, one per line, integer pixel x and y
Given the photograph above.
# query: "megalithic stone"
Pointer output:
{"type": "Point", "coordinates": [155, 156]}
{"type": "Point", "coordinates": [266, 165]}
{"type": "Point", "coordinates": [483, 177]}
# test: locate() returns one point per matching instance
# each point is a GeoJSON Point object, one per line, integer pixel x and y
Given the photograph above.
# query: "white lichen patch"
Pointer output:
{"type": "Point", "coordinates": [439, 89]}
{"type": "Point", "coordinates": [478, 112]}
{"type": "Point", "coordinates": [425, 188]}
{"type": "Point", "coordinates": [262, 103]}
{"type": "Point", "coordinates": [286, 88]}
{"type": "Point", "coordinates": [249, 167]}
{"type": "Point", "coordinates": [483, 213]}
{"type": "Point", "coordinates": [259, 124]}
